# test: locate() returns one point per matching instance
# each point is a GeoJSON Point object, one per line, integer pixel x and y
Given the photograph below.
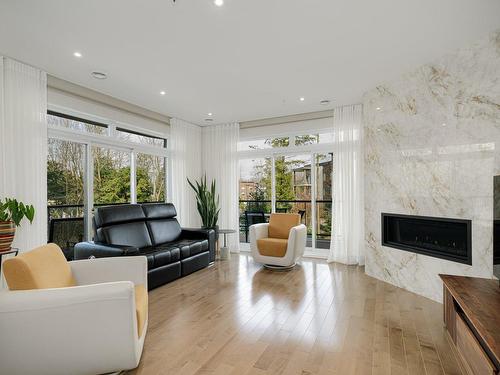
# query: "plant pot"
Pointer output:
{"type": "Point", "coordinates": [7, 233]}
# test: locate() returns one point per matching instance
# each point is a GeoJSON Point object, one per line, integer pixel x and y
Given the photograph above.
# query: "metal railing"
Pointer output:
{"type": "Point", "coordinates": [73, 212]}
{"type": "Point", "coordinates": [300, 206]}
{"type": "Point", "coordinates": [78, 207]}
{"type": "Point", "coordinates": [65, 224]}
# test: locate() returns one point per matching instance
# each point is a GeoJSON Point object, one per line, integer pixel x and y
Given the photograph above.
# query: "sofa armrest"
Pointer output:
{"type": "Point", "coordinates": [201, 234]}
{"type": "Point", "coordinates": [84, 250]}
{"type": "Point", "coordinates": [93, 327]}
{"type": "Point", "coordinates": [104, 270]}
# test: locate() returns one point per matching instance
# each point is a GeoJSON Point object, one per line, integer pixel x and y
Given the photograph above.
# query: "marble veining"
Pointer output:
{"type": "Point", "coordinates": [432, 144]}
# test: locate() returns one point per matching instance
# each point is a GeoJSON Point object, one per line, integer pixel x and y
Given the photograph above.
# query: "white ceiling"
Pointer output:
{"type": "Point", "coordinates": [246, 60]}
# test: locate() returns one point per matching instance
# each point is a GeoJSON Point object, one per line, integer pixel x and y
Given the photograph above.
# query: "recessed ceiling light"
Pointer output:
{"type": "Point", "coordinates": [77, 54]}
{"type": "Point", "coordinates": [378, 108]}
{"type": "Point", "coordinates": [210, 113]}
{"type": "Point", "coordinates": [443, 124]}
{"type": "Point", "coordinates": [219, 3]}
{"type": "Point", "coordinates": [99, 75]}
{"type": "Point", "coordinates": [324, 102]}
{"type": "Point", "coordinates": [209, 119]}
{"type": "Point", "coordinates": [162, 92]}
{"type": "Point", "coordinates": [302, 99]}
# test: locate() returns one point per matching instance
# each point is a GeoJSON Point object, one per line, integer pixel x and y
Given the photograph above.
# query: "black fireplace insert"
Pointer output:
{"type": "Point", "coordinates": [444, 238]}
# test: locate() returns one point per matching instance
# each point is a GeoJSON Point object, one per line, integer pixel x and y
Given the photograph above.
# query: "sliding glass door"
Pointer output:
{"type": "Point", "coordinates": [289, 183]}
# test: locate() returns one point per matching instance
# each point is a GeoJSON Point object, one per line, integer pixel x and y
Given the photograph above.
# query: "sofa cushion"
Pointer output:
{"type": "Point", "coordinates": [159, 210]}
{"type": "Point", "coordinates": [164, 230]}
{"type": "Point", "coordinates": [191, 247]}
{"type": "Point", "coordinates": [166, 255]}
{"type": "Point", "coordinates": [109, 215]}
{"type": "Point", "coordinates": [141, 307]}
{"type": "Point", "coordinates": [161, 255]}
{"type": "Point", "coordinates": [131, 234]}
{"type": "Point", "coordinates": [272, 247]}
{"type": "Point", "coordinates": [43, 267]}
{"type": "Point", "coordinates": [280, 225]}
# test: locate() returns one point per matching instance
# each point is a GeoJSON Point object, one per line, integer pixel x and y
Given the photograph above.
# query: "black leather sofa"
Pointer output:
{"type": "Point", "coordinates": [153, 231]}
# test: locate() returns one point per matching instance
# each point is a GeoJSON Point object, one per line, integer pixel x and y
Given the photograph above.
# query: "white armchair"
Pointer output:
{"type": "Point", "coordinates": [279, 243]}
{"type": "Point", "coordinates": [97, 326]}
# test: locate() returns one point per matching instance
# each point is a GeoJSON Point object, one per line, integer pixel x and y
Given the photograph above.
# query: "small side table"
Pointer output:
{"type": "Point", "coordinates": [224, 250]}
{"type": "Point", "coordinates": [12, 250]}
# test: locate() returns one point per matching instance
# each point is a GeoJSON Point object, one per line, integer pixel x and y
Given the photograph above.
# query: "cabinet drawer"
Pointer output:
{"type": "Point", "coordinates": [470, 349]}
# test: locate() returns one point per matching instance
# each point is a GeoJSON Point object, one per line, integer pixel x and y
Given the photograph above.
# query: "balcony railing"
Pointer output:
{"type": "Point", "coordinates": [302, 207]}
{"type": "Point", "coordinates": [65, 224]}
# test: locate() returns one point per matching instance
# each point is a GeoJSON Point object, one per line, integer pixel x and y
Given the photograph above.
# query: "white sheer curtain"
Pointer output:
{"type": "Point", "coordinates": [185, 146]}
{"type": "Point", "coordinates": [220, 162]}
{"type": "Point", "coordinates": [347, 244]}
{"type": "Point", "coordinates": [23, 145]}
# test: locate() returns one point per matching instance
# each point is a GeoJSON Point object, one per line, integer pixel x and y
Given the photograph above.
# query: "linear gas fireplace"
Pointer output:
{"type": "Point", "coordinates": [449, 239]}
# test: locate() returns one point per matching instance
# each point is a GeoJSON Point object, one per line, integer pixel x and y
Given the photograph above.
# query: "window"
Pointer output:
{"type": "Point", "coordinates": [293, 186]}
{"type": "Point", "coordinates": [255, 193]}
{"type": "Point", "coordinates": [65, 193]}
{"type": "Point", "coordinates": [303, 140]}
{"type": "Point", "coordinates": [323, 164]}
{"type": "Point", "coordinates": [73, 123]}
{"type": "Point", "coordinates": [111, 176]}
{"type": "Point", "coordinates": [96, 169]}
{"type": "Point", "coordinates": [292, 174]}
{"type": "Point", "coordinates": [65, 186]}
{"type": "Point", "coordinates": [151, 178]}
{"type": "Point", "coordinates": [131, 136]}
{"type": "Point", "coordinates": [325, 137]}
{"type": "Point", "coordinates": [262, 144]}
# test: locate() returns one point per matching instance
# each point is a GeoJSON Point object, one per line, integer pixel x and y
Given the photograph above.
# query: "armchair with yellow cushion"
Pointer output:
{"type": "Point", "coordinates": [279, 243]}
{"type": "Point", "coordinates": [82, 317]}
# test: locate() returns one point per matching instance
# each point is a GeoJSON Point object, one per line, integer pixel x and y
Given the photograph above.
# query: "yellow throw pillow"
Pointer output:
{"type": "Point", "coordinates": [41, 268]}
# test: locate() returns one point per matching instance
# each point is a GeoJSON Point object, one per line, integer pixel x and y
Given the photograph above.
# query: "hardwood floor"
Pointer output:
{"type": "Point", "coordinates": [237, 318]}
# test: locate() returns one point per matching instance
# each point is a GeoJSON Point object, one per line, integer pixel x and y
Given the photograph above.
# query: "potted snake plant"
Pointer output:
{"type": "Point", "coordinates": [207, 202]}
{"type": "Point", "coordinates": [12, 213]}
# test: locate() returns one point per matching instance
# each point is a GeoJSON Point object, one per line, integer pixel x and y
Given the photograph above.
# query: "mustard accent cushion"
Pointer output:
{"type": "Point", "coordinates": [41, 268]}
{"type": "Point", "coordinates": [272, 247]}
{"type": "Point", "coordinates": [141, 307]}
{"type": "Point", "coordinates": [280, 225]}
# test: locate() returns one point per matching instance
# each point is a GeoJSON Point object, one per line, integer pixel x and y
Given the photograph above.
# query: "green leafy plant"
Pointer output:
{"type": "Point", "coordinates": [12, 210]}
{"type": "Point", "coordinates": [207, 202]}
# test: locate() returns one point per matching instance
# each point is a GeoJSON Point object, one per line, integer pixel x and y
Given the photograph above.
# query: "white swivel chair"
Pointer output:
{"type": "Point", "coordinates": [81, 317]}
{"type": "Point", "coordinates": [280, 243]}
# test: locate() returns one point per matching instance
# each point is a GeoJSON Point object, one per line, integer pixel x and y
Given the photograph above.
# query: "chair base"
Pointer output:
{"type": "Point", "coordinates": [279, 268]}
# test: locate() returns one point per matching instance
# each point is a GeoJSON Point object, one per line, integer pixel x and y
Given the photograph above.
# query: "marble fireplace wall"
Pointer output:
{"type": "Point", "coordinates": [432, 148]}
